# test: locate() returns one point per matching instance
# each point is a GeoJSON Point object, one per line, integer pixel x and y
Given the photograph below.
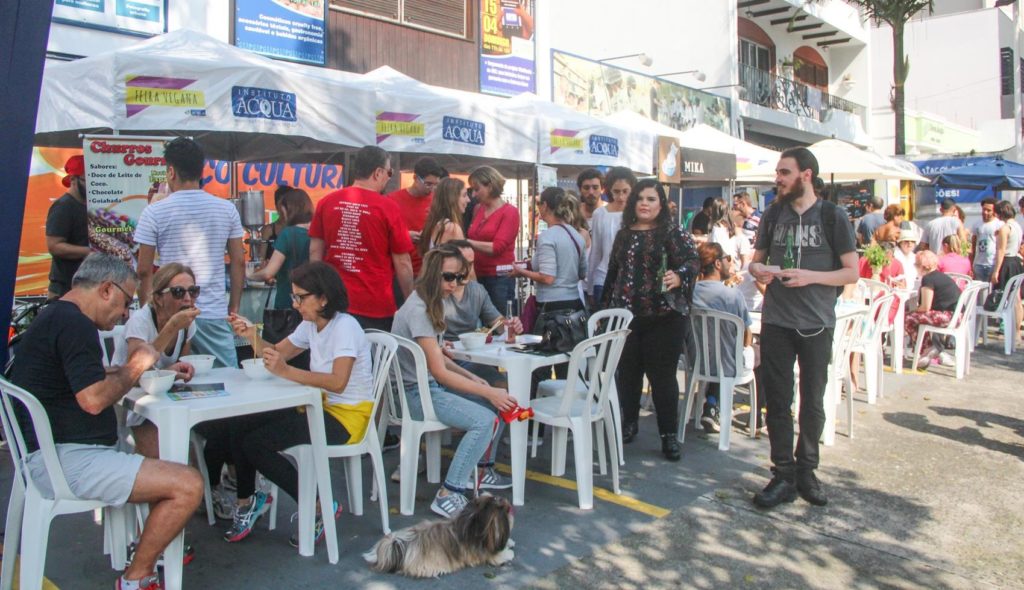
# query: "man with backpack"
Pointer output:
{"type": "Point", "coordinates": [805, 252]}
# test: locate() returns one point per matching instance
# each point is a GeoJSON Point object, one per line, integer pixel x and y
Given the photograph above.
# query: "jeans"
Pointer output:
{"type": "Point", "coordinates": [780, 348]}
{"type": "Point", "coordinates": [258, 439]}
{"type": "Point", "coordinates": [215, 337]}
{"type": "Point", "coordinates": [596, 295]}
{"type": "Point", "coordinates": [471, 413]}
{"type": "Point", "coordinates": [501, 290]}
{"type": "Point", "coordinates": [983, 272]}
{"type": "Point", "coordinates": [652, 348]}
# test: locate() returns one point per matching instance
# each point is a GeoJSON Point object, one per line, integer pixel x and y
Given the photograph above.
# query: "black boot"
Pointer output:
{"type": "Point", "coordinates": [670, 447]}
{"type": "Point", "coordinates": [629, 430]}
{"type": "Point", "coordinates": [780, 489]}
{"type": "Point", "coordinates": [810, 488]}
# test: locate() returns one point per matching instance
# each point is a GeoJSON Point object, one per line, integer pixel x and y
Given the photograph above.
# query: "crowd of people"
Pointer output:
{"type": "Point", "coordinates": [437, 259]}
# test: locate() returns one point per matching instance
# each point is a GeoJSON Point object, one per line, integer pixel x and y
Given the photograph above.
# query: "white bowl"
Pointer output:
{"type": "Point", "coordinates": [473, 340]}
{"type": "Point", "coordinates": [254, 369]}
{"type": "Point", "coordinates": [154, 382]}
{"type": "Point", "coordinates": [200, 362]}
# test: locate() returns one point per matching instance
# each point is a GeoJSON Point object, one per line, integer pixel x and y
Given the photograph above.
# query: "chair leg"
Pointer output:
{"type": "Point", "coordinates": [849, 405]}
{"type": "Point", "coordinates": [35, 534]}
{"type": "Point", "coordinates": [434, 455]}
{"type": "Point", "coordinates": [535, 427]}
{"type": "Point", "coordinates": [198, 446]}
{"type": "Point", "coordinates": [114, 529]}
{"type": "Point", "coordinates": [754, 410]}
{"type": "Point", "coordinates": [354, 484]}
{"type": "Point", "coordinates": [584, 453]}
{"type": "Point", "coordinates": [12, 539]}
{"type": "Point", "coordinates": [616, 414]}
{"type": "Point", "coordinates": [275, 493]}
{"type": "Point", "coordinates": [961, 354]}
{"type": "Point", "coordinates": [725, 392]}
{"type": "Point", "coordinates": [687, 404]}
{"type": "Point", "coordinates": [614, 451]}
{"type": "Point", "coordinates": [409, 453]}
{"type": "Point", "coordinates": [922, 330]}
{"type": "Point", "coordinates": [599, 443]}
{"type": "Point", "coordinates": [377, 460]}
{"type": "Point", "coordinates": [871, 373]}
{"type": "Point", "coordinates": [307, 492]}
{"type": "Point", "coordinates": [559, 443]}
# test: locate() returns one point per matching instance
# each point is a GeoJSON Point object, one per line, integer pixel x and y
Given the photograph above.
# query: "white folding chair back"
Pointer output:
{"type": "Point", "coordinates": [961, 279]}
{"type": "Point", "coordinates": [867, 341]}
{"type": "Point", "coordinates": [848, 328]}
{"type": "Point", "coordinates": [28, 512]}
{"type": "Point", "coordinates": [959, 328]}
{"type": "Point", "coordinates": [709, 367]}
{"type": "Point", "coordinates": [601, 322]}
{"type": "Point", "coordinates": [579, 409]}
{"type": "Point", "coordinates": [114, 346]}
{"type": "Point", "coordinates": [413, 430]}
{"type": "Point", "coordinates": [867, 289]}
{"type": "Point", "coordinates": [1006, 311]}
{"type": "Point", "coordinates": [383, 347]}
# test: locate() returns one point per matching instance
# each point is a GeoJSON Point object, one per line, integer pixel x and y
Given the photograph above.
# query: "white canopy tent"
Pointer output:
{"type": "Point", "coordinates": [839, 161]}
{"type": "Point", "coordinates": [568, 137]}
{"type": "Point", "coordinates": [241, 106]}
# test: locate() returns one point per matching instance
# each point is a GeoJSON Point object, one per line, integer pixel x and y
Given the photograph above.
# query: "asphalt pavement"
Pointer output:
{"type": "Point", "coordinates": [924, 496]}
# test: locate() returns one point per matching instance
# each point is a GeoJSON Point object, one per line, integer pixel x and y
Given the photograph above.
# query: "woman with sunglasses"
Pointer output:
{"type": "Point", "coordinates": [461, 399]}
{"type": "Point", "coordinates": [444, 220]}
{"type": "Point", "coordinates": [340, 366]}
{"type": "Point", "coordinates": [651, 272]}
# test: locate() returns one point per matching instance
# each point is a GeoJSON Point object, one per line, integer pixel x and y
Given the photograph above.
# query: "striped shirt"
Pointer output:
{"type": "Point", "coordinates": [193, 227]}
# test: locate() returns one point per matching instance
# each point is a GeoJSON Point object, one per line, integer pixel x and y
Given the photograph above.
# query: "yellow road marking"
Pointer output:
{"type": "Point", "coordinates": [599, 493]}
{"type": "Point", "coordinates": [47, 584]}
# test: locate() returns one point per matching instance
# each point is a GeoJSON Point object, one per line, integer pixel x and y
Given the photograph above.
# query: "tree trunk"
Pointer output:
{"type": "Point", "coordinates": [899, 77]}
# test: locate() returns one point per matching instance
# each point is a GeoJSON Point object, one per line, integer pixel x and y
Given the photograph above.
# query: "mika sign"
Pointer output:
{"type": "Point", "coordinates": [263, 103]}
{"type": "Point", "coordinates": [463, 130]}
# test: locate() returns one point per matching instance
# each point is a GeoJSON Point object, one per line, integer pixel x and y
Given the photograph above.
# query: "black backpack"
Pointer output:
{"type": "Point", "coordinates": [828, 220]}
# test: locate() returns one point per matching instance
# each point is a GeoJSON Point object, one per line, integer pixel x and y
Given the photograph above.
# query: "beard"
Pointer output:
{"type": "Point", "coordinates": [590, 200]}
{"type": "Point", "coordinates": [787, 197]}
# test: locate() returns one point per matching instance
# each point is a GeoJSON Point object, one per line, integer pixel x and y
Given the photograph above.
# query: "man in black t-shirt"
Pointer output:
{"type": "Point", "coordinates": [60, 362]}
{"type": "Point", "coordinates": [67, 229]}
{"type": "Point", "coordinates": [701, 223]}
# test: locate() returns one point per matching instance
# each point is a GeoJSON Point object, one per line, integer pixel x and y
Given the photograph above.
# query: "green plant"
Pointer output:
{"type": "Point", "coordinates": [876, 256]}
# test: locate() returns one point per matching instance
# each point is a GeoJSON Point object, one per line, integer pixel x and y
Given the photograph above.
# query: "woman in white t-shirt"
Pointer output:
{"type": "Point", "coordinates": [340, 365]}
{"type": "Point", "coordinates": [167, 322]}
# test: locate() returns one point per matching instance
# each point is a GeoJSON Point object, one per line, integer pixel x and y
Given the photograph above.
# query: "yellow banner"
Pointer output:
{"type": "Point", "coordinates": [407, 128]}
{"type": "Point", "coordinates": [164, 97]}
{"type": "Point", "coordinates": [561, 141]}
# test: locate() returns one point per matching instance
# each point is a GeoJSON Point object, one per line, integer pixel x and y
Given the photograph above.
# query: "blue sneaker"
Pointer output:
{"type": "Point", "coordinates": [246, 517]}
{"type": "Point", "coordinates": [318, 526]}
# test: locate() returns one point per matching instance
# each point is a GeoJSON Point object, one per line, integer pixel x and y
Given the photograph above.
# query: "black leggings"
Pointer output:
{"type": "Point", "coordinates": [652, 348]}
{"type": "Point", "coordinates": [257, 440]}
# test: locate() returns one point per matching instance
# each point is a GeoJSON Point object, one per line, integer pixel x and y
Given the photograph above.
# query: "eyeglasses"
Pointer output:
{"type": "Point", "coordinates": [179, 292]}
{"type": "Point", "coordinates": [449, 277]}
{"type": "Point", "coordinates": [429, 184]}
{"type": "Point", "coordinates": [298, 297]}
{"type": "Point", "coordinates": [127, 298]}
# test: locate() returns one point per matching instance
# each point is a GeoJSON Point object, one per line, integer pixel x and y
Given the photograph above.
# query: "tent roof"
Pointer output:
{"type": "Point", "coordinates": [996, 174]}
{"type": "Point", "coordinates": [844, 162]}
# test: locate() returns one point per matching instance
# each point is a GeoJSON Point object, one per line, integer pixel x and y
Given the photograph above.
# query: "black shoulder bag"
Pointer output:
{"type": "Point", "coordinates": [561, 330]}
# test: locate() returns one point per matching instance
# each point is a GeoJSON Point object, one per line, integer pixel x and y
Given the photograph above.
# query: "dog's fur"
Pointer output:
{"type": "Point", "coordinates": [478, 535]}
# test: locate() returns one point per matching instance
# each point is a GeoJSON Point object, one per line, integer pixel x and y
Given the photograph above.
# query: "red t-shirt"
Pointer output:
{"type": "Point", "coordinates": [414, 212]}
{"type": "Point", "coordinates": [361, 230]}
{"type": "Point", "coordinates": [500, 228]}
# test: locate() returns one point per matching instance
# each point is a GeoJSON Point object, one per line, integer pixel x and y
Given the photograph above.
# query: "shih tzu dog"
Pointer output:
{"type": "Point", "coordinates": [479, 534]}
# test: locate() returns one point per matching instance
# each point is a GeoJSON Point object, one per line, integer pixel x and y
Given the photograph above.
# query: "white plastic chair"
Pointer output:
{"type": "Point", "coordinates": [847, 330]}
{"type": "Point", "coordinates": [868, 342]}
{"type": "Point", "coordinates": [1006, 311]}
{"type": "Point", "coordinates": [28, 512]}
{"type": "Point", "coordinates": [606, 320]}
{"type": "Point", "coordinates": [413, 430]}
{"type": "Point", "coordinates": [961, 279]}
{"type": "Point", "coordinates": [708, 368]}
{"type": "Point", "coordinates": [113, 344]}
{"type": "Point", "coordinates": [959, 328]}
{"type": "Point", "coordinates": [579, 411]}
{"type": "Point", "coordinates": [383, 348]}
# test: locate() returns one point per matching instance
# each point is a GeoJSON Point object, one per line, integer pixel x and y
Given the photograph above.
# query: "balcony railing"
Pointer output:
{"type": "Point", "coordinates": [783, 94]}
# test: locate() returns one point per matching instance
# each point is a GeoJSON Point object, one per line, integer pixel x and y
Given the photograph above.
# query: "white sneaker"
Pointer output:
{"type": "Point", "coordinates": [396, 475]}
{"type": "Point", "coordinates": [946, 359]}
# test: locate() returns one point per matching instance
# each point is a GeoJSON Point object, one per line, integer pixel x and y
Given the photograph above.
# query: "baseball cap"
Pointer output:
{"type": "Point", "coordinates": [75, 166]}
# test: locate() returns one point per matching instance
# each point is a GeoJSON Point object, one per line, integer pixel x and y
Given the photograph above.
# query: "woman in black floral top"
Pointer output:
{"type": "Point", "coordinates": [647, 243]}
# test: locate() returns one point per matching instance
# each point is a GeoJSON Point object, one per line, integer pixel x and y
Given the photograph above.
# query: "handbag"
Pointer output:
{"type": "Point", "coordinates": [278, 324]}
{"type": "Point", "coordinates": [992, 300]}
{"type": "Point", "coordinates": [561, 330]}
{"type": "Point", "coordinates": [528, 316]}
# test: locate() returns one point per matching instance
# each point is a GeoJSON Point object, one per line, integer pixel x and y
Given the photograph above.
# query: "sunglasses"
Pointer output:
{"type": "Point", "coordinates": [449, 277]}
{"type": "Point", "coordinates": [179, 292]}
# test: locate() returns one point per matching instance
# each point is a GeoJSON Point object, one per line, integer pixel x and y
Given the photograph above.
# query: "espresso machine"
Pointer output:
{"type": "Point", "coordinates": [251, 210]}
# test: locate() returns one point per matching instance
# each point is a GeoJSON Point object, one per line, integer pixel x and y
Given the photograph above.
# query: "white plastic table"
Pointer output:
{"type": "Point", "coordinates": [175, 420]}
{"type": "Point", "coordinates": [519, 368]}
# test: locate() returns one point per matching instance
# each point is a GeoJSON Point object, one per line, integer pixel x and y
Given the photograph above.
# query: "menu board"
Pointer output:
{"type": "Point", "coordinates": [293, 30]}
{"type": "Point", "coordinates": [121, 176]}
{"type": "Point", "coordinates": [143, 17]}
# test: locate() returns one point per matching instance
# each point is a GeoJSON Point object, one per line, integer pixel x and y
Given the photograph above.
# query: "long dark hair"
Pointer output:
{"type": "Point", "coordinates": [444, 207]}
{"type": "Point", "coordinates": [719, 215]}
{"type": "Point", "coordinates": [664, 219]}
{"type": "Point", "coordinates": [321, 280]}
{"type": "Point", "coordinates": [428, 285]}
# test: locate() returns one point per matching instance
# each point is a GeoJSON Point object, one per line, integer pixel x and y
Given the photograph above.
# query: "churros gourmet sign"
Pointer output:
{"type": "Point", "coordinates": [119, 172]}
{"type": "Point", "coordinates": [143, 92]}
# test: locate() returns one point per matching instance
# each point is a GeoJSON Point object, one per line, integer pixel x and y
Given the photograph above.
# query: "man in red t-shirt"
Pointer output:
{"type": "Point", "coordinates": [361, 234]}
{"type": "Point", "coordinates": [414, 201]}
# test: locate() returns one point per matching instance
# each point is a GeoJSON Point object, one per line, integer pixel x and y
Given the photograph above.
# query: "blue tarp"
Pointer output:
{"type": "Point", "coordinates": [932, 168]}
{"type": "Point", "coordinates": [997, 175]}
